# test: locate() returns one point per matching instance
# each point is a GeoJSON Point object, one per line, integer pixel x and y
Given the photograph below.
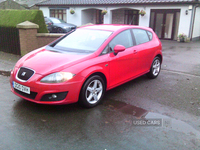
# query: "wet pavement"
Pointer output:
{"type": "Point", "coordinates": [142, 114]}
{"type": "Point", "coordinates": [25, 125]}
{"type": "Point", "coordinates": [7, 61]}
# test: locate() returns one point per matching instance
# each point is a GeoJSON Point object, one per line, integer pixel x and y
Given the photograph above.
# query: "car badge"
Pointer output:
{"type": "Point", "coordinates": [23, 73]}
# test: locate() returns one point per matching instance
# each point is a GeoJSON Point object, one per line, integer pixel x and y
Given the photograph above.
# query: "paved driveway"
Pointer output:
{"type": "Point", "coordinates": [173, 97]}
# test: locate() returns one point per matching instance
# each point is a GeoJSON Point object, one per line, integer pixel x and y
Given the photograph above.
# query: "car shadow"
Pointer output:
{"type": "Point", "coordinates": [131, 84]}
{"type": "Point", "coordinates": [24, 105]}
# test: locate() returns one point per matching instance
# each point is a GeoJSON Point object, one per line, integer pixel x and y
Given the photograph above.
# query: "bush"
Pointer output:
{"type": "Point", "coordinates": [10, 18]}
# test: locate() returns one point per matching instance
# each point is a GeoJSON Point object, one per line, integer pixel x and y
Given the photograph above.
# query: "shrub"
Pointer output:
{"type": "Point", "coordinates": [10, 18]}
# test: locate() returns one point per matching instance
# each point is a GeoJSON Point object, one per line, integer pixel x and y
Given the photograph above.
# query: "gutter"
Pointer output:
{"type": "Point", "coordinates": [70, 4]}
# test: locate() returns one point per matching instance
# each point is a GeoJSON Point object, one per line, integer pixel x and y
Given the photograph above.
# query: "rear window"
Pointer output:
{"type": "Point", "coordinates": [141, 36]}
{"type": "Point", "coordinates": [150, 35]}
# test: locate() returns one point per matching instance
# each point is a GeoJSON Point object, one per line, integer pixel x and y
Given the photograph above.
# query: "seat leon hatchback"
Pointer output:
{"type": "Point", "coordinates": [83, 64]}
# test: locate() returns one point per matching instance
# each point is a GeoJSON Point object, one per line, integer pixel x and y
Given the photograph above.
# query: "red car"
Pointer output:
{"type": "Point", "coordinates": [83, 64]}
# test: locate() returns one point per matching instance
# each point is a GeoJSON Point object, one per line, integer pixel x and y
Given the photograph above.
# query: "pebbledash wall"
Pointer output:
{"type": "Point", "coordinates": [187, 25]}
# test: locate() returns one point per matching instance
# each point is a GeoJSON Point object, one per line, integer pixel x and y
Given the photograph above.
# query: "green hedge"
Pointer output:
{"type": "Point", "coordinates": [10, 18]}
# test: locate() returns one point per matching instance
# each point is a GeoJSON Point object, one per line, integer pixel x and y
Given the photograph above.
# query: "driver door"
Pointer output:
{"type": "Point", "coordinates": [123, 65]}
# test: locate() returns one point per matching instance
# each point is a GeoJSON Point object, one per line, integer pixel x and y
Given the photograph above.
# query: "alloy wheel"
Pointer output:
{"type": "Point", "coordinates": [94, 91]}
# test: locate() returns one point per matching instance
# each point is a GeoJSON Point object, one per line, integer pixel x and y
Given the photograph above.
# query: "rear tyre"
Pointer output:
{"type": "Point", "coordinates": [155, 68]}
{"type": "Point", "coordinates": [92, 92]}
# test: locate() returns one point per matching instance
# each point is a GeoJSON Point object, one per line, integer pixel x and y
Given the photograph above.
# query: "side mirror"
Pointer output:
{"type": "Point", "coordinates": [119, 48]}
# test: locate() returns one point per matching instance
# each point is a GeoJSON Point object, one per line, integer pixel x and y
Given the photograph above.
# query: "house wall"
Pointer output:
{"type": "Point", "coordinates": [196, 29]}
{"type": "Point", "coordinates": [184, 24]}
{"type": "Point", "coordinates": [87, 17]}
{"type": "Point", "coordinates": [76, 18]}
{"type": "Point", "coordinates": [46, 11]}
{"type": "Point", "coordinates": [115, 15]}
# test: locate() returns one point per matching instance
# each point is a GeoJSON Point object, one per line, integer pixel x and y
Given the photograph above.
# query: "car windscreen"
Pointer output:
{"type": "Point", "coordinates": [55, 20]}
{"type": "Point", "coordinates": [82, 40]}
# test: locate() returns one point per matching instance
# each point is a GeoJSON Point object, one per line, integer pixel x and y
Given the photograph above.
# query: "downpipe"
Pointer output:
{"type": "Point", "coordinates": [194, 7]}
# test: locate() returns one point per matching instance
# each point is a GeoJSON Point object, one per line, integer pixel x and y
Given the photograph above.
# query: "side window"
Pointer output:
{"type": "Point", "coordinates": [150, 35]}
{"type": "Point", "coordinates": [140, 36]}
{"type": "Point", "coordinates": [105, 51]}
{"type": "Point", "coordinates": [124, 38]}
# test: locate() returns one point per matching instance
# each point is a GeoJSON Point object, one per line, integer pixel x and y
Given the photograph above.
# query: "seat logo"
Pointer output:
{"type": "Point", "coordinates": [23, 73]}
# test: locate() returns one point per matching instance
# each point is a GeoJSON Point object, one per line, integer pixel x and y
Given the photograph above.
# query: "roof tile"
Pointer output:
{"type": "Point", "coordinates": [107, 2]}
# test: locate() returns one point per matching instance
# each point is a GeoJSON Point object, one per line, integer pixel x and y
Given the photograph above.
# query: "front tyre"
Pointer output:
{"type": "Point", "coordinates": [155, 68]}
{"type": "Point", "coordinates": [60, 30]}
{"type": "Point", "coordinates": [92, 91]}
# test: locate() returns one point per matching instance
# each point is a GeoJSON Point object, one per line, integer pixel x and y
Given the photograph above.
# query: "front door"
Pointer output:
{"type": "Point", "coordinates": [123, 66]}
{"type": "Point", "coordinates": [165, 23]}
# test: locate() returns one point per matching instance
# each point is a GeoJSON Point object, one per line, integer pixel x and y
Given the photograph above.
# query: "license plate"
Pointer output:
{"type": "Point", "coordinates": [21, 88]}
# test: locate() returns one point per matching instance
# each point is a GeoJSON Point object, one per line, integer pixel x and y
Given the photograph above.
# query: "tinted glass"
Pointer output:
{"type": "Point", "coordinates": [124, 38]}
{"type": "Point", "coordinates": [83, 40]}
{"type": "Point", "coordinates": [140, 36]}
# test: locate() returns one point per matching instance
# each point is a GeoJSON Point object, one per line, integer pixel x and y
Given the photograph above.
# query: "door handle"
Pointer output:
{"type": "Point", "coordinates": [134, 51]}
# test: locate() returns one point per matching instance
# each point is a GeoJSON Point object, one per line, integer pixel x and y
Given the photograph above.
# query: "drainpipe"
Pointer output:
{"type": "Point", "coordinates": [192, 20]}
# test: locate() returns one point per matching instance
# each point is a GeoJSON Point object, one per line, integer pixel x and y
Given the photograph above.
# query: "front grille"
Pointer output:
{"type": "Point", "coordinates": [32, 95]}
{"type": "Point", "coordinates": [24, 74]}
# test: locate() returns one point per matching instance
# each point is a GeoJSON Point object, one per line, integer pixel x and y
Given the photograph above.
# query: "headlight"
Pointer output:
{"type": "Point", "coordinates": [58, 77]}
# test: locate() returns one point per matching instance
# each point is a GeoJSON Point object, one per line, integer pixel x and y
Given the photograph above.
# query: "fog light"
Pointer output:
{"type": "Point", "coordinates": [54, 96]}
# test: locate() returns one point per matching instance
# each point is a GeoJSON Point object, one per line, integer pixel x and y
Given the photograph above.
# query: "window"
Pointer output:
{"type": "Point", "coordinates": [58, 13]}
{"type": "Point", "coordinates": [124, 38]}
{"type": "Point", "coordinates": [140, 36]}
{"type": "Point", "coordinates": [106, 50]}
{"type": "Point", "coordinates": [131, 17]}
{"type": "Point", "coordinates": [150, 35]}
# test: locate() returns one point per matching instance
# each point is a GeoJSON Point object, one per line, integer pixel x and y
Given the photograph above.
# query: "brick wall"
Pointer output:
{"type": "Point", "coordinates": [30, 39]}
{"type": "Point", "coordinates": [118, 16]}
{"type": "Point", "coordinates": [46, 38]}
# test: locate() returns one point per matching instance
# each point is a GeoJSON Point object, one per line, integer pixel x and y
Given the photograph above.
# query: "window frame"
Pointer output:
{"type": "Point", "coordinates": [108, 45]}
{"type": "Point", "coordinates": [52, 13]}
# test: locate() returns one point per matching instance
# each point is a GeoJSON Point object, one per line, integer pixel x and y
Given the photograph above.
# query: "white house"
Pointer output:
{"type": "Point", "coordinates": [168, 18]}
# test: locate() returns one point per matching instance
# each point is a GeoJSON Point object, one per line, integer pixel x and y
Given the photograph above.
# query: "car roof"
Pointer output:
{"type": "Point", "coordinates": [113, 27]}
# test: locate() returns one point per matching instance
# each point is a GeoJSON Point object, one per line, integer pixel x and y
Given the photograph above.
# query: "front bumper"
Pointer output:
{"type": "Point", "coordinates": [43, 93]}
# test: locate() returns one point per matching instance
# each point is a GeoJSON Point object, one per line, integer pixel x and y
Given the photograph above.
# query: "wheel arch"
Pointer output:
{"type": "Point", "coordinates": [160, 56]}
{"type": "Point", "coordinates": [99, 74]}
